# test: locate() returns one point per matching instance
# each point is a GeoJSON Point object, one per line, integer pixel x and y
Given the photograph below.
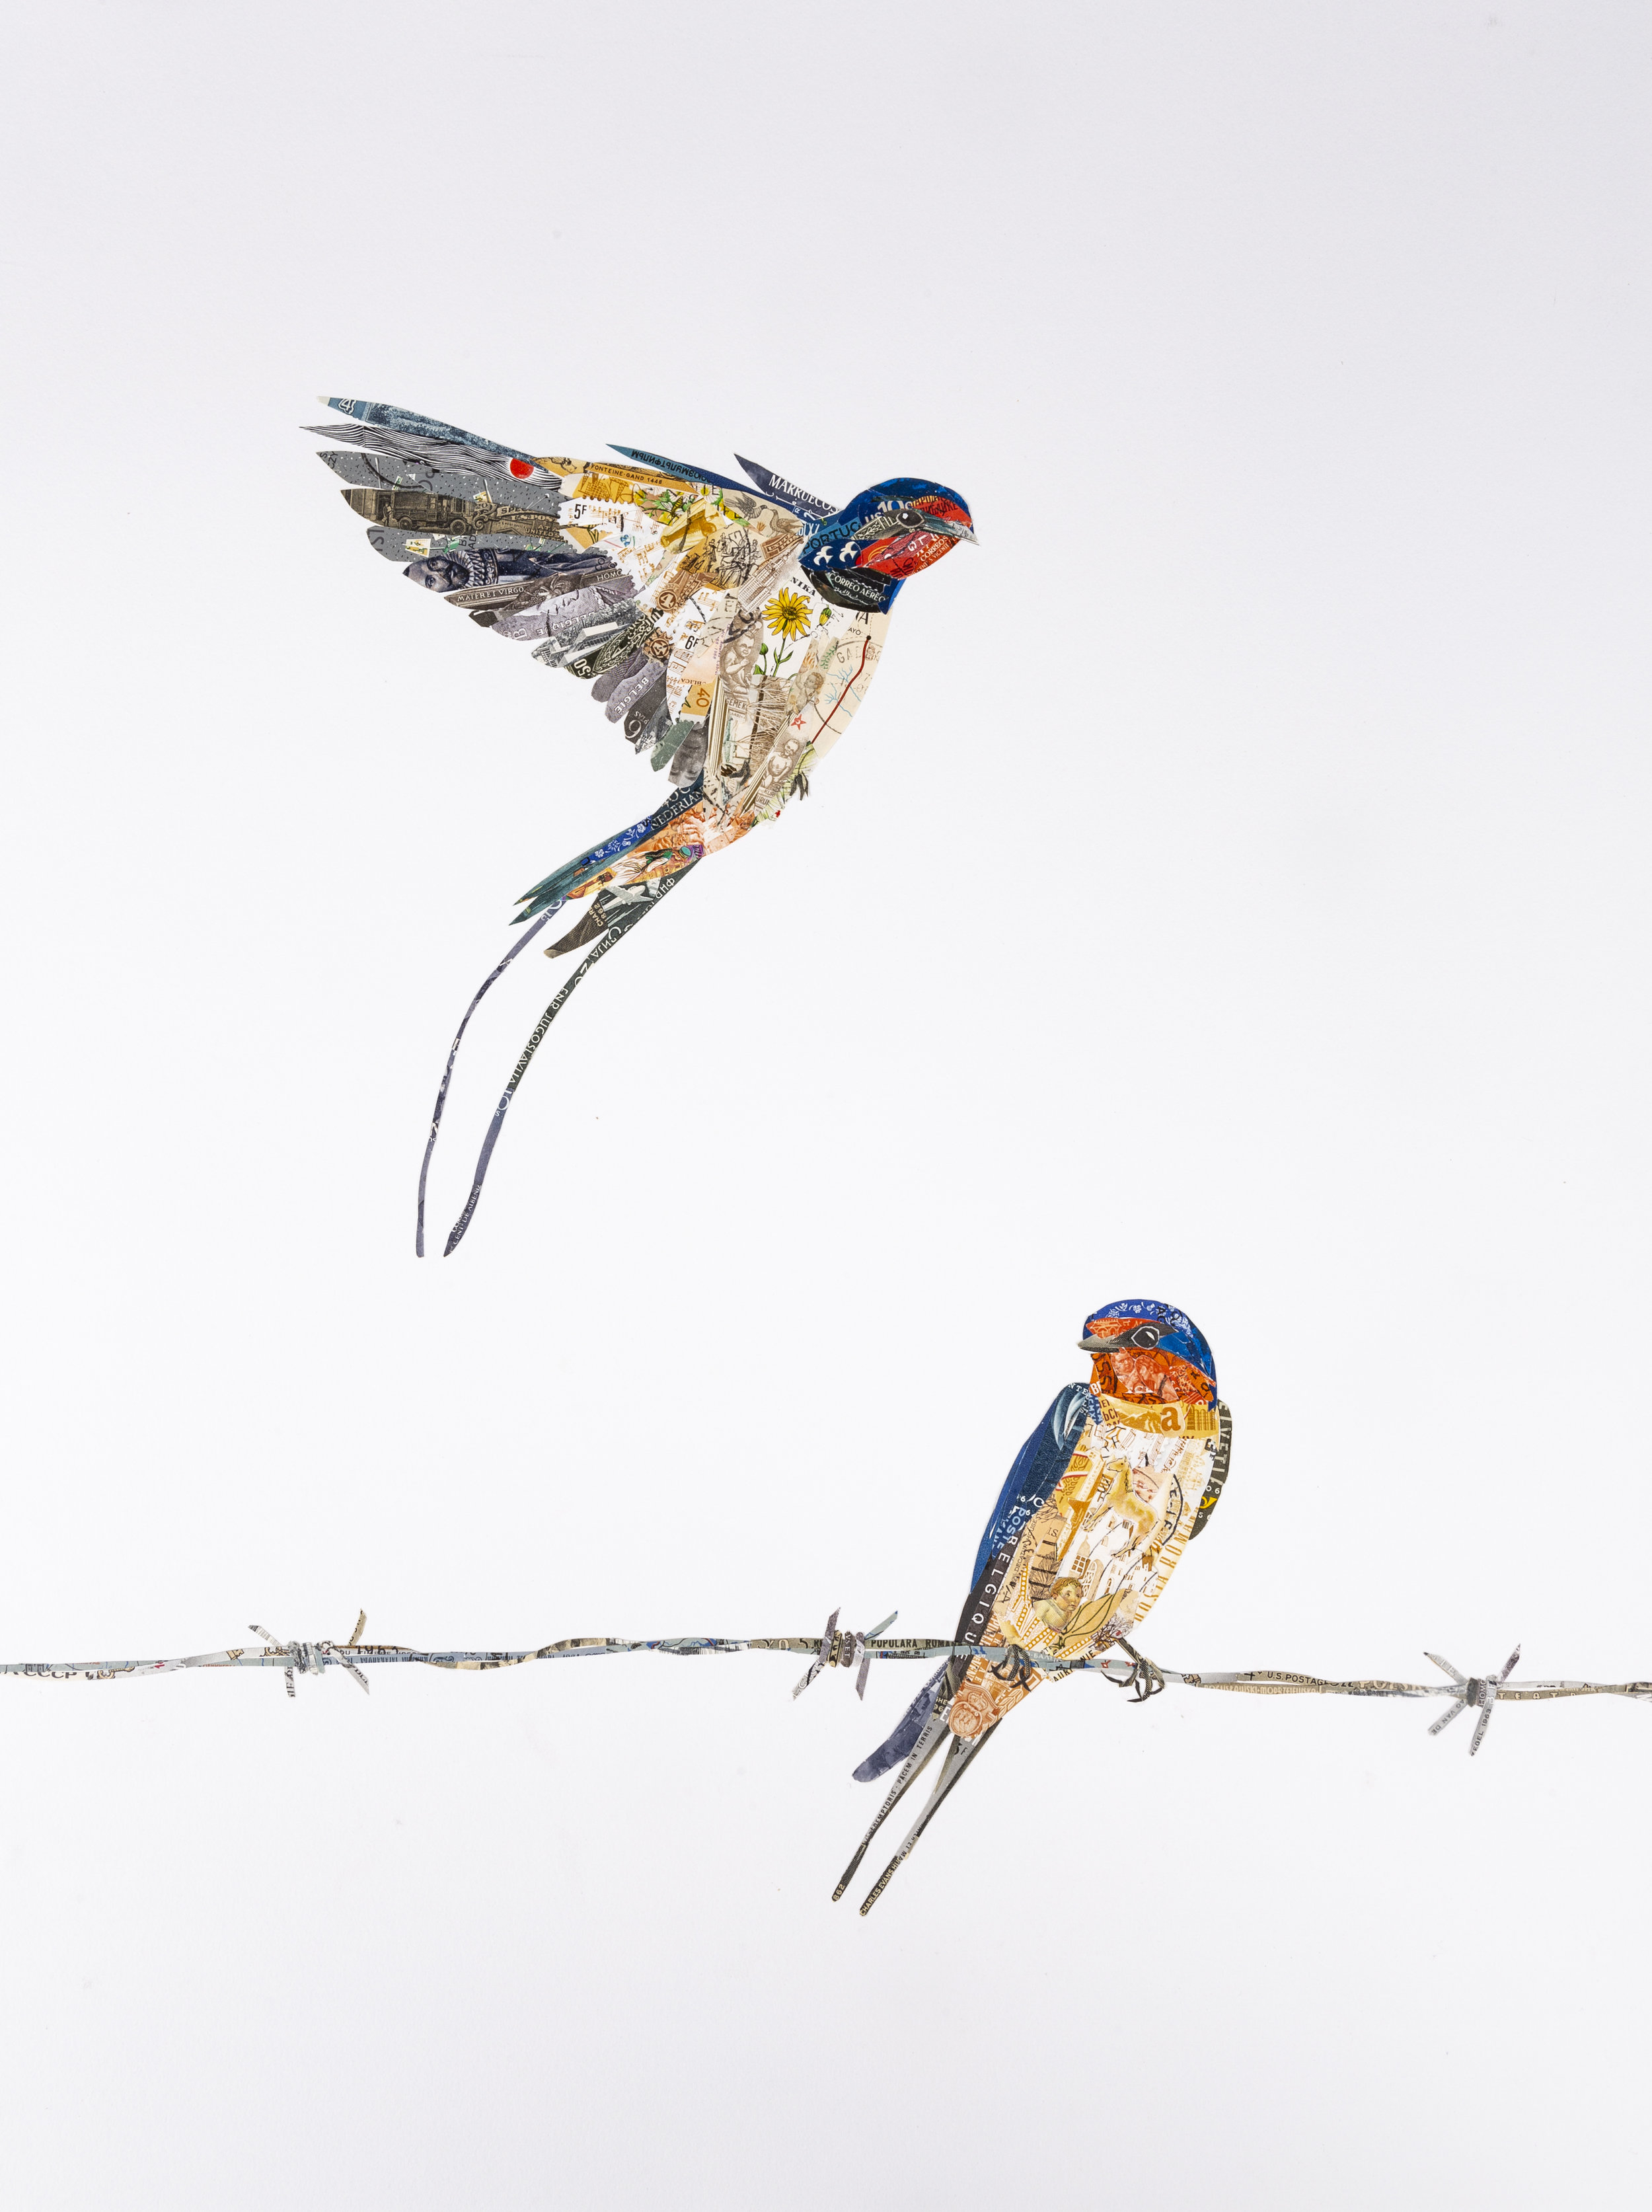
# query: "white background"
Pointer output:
{"type": "Point", "coordinates": [1232, 892]}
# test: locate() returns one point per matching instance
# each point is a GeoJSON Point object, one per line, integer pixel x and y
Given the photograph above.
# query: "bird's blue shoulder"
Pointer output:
{"type": "Point", "coordinates": [1039, 1466]}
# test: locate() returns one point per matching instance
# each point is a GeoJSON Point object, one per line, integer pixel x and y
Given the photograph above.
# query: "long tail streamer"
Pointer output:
{"type": "Point", "coordinates": [520, 944]}
{"type": "Point", "coordinates": [605, 944]}
{"type": "Point", "coordinates": [544, 900]}
{"type": "Point", "coordinates": [959, 1757]}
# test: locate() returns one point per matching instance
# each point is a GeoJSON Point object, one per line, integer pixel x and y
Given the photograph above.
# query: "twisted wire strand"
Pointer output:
{"type": "Point", "coordinates": [315, 1657]}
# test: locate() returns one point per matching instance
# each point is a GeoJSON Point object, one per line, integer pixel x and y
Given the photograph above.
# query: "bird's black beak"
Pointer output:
{"type": "Point", "coordinates": [1132, 1342]}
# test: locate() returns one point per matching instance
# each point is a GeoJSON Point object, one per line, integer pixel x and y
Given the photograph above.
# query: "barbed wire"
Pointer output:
{"type": "Point", "coordinates": [1119, 1665]}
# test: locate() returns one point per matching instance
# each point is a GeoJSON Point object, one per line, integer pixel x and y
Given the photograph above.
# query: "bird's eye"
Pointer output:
{"type": "Point", "coordinates": [1145, 1337]}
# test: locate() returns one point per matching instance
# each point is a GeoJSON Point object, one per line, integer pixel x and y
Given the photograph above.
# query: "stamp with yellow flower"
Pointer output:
{"type": "Point", "coordinates": [787, 615]}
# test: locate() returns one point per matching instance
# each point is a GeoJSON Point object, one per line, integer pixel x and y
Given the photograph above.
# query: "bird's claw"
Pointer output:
{"type": "Point", "coordinates": [1480, 1690]}
{"type": "Point", "coordinates": [1018, 1668]}
{"type": "Point", "coordinates": [1143, 1681]}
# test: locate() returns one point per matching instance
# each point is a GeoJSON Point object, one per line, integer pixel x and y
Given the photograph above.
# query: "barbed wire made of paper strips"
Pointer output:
{"type": "Point", "coordinates": [843, 1648]}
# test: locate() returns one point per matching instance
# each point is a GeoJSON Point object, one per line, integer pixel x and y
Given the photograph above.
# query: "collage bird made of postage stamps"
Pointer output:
{"type": "Point", "coordinates": [682, 602]}
{"type": "Point", "coordinates": [729, 632]}
{"type": "Point", "coordinates": [1098, 1554]}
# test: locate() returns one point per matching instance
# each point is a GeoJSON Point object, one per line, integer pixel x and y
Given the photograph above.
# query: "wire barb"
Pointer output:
{"type": "Point", "coordinates": [842, 1648]}
{"type": "Point", "coordinates": [1480, 1690]}
{"type": "Point", "coordinates": [314, 1658]}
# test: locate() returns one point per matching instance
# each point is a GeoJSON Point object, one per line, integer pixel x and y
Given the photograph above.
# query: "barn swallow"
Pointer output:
{"type": "Point", "coordinates": [1118, 1477]}
{"type": "Point", "coordinates": [729, 633]}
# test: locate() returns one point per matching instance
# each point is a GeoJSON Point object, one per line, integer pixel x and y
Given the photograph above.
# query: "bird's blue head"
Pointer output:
{"type": "Point", "coordinates": [860, 557]}
{"type": "Point", "coordinates": [1149, 1349]}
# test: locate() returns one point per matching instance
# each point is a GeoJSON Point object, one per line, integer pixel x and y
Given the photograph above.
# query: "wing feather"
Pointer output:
{"type": "Point", "coordinates": [457, 451]}
{"type": "Point", "coordinates": [678, 472]}
{"type": "Point", "coordinates": [379, 414]}
{"type": "Point", "coordinates": [676, 594]}
{"type": "Point", "coordinates": [393, 472]}
{"type": "Point", "coordinates": [1218, 1474]}
{"type": "Point", "coordinates": [787, 494]}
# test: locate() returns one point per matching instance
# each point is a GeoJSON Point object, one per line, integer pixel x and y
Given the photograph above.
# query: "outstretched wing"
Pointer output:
{"type": "Point", "coordinates": [637, 580]}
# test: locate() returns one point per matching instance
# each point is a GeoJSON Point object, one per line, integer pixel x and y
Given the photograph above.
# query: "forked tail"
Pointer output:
{"type": "Point", "coordinates": [932, 1735]}
{"type": "Point", "coordinates": [960, 1757]}
{"type": "Point", "coordinates": [539, 904]}
{"type": "Point", "coordinates": [924, 1726]}
{"type": "Point", "coordinates": [610, 937]}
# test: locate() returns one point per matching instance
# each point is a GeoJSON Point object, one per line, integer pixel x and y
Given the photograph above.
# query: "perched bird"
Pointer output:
{"type": "Point", "coordinates": [1119, 1476]}
{"type": "Point", "coordinates": [730, 634]}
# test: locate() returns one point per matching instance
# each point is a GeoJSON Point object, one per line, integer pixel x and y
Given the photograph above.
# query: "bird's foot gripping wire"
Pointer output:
{"type": "Point", "coordinates": [314, 1658]}
{"type": "Point", "coordinates": [1018, 1668]}
{"type": "Point", "coordinates": [1480, 1690]}
{"type": "Point", "coordinates": [1143, 1681]}
{"type": "Point", "coordinates": [842, 1647]}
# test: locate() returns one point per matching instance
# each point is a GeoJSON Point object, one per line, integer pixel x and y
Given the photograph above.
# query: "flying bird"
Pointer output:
{"type": "Point", "coordinates": [1119, 1477]}
{"type": "Point", "coordinates": [728, 633]}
